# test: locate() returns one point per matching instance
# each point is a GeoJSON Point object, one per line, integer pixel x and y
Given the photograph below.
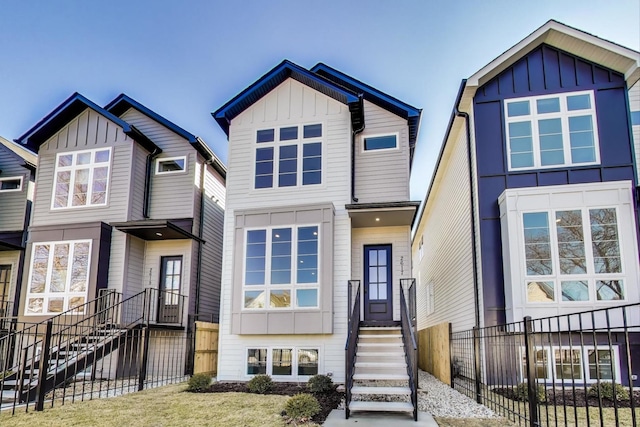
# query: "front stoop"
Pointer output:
{"type": "Point", "coordinates": [378, 419]}
{"type": "Point", "coordinates": [381, 383]}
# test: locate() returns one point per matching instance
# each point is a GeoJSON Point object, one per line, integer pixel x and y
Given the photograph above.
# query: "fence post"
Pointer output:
{"type": "Point", "coordinates": [531, 372]}
{"type": "Point", "coordinates": [476, 363]}
{"type": "Point", "coordinates": [44, 366]}
{"type": "Point", "coordinates": [451, 356]}
{"type": "Point", "coordinates": [142, 373]}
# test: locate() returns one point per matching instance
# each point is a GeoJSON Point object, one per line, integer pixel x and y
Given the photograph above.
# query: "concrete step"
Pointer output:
{"type": "Point", "coordinates": [365, 358]}
{"type": "Point", "coordinates": [369, 339]}
{"type": "Point", "coordinates": [379, 336]}
{"type": "Point", "coordinates": [14, 383]}
{"type": "Point", "coordinates": [392, 391]}
{"type": "Point", "coordinates": [381, 406]}
{"type": "Point", "coordinates": [380, 328]}
{"type": "Point", "coordinates": [380, 376]}
{"type": "Point", "coordinates": [381, 365]}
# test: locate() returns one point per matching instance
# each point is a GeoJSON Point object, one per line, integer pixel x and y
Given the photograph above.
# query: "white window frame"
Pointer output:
{"type": "Point", "coordinates": [584, 363]}
{"type": "Point", "coordinates": [563, 115]}
{"type": "Point", "coordinates": [67, 294]}
{"type": "Point", "coordinates": [293, 286]}
{"type": "Point", "coordinates": [591, 277]}
{"type": "Point", "coordinates": [72, 169]}
{"type": "Point", "coordinates": [294, 359]}
{"type": "Point", "coordinates": [166, 159]}
{"type": "Point", "coordinates": [299, 142]}
{"type": "Point", "coordinates": [11, 178]}
{"type": "Point", "coordinates": [363, 149]}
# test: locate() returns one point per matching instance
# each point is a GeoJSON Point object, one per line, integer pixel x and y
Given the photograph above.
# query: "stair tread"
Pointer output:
{"type": "Point", "coordinates": [381, 406]}
{"type": "Point", "coordinates": [381, 364]}
{"type": "Point", "coordinates": [381, 354]}
{"type": "Point", "coordinates": [380, 328]}
{"type": "Point", "coordinates": [375, 336]}
{"type": "Point", "coordinates": [379, 344]}
{"type": "Point", "coordinates": [380, 377]}
{"type": "Point", "coordinates": [381, 390]}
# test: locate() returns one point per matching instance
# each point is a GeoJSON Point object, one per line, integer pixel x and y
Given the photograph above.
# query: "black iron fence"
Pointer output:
{"type": "Point", "coordinates": [576, 369]}
{"type": "Point", "coordinates": [105, 347]}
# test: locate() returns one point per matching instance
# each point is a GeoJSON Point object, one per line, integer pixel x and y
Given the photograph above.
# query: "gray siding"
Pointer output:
{"type": "Point", "coordinates": [134, 266]}
{"type": "Point", "coordinates": [89, 130]}
{"type": "Point", "coordinates": [173, 195]}
{"type": "Point", "coordinates": [13, 203]}
{"type": "Point", "coordinates": [382, 175]}
{"type": "Point", "coordinates": [137, 183]}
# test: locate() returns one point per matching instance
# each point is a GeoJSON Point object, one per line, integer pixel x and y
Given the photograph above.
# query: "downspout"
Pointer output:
{"type": "Point", "coordinates": [147, 182]}
{"type": "Point", "coordinates": [474, 239]}
{"type": "Point", "coordinates": [353, 159]}
{"type": "Point", "coordinates": [203, 169]}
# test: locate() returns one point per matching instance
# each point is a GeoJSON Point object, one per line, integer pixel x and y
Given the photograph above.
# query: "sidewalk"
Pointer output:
{"type": "Point", "coordinates": [381, 419]}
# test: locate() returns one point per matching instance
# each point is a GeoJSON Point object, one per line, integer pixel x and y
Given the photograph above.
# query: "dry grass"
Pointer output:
{"type": "Point", "coordinates": [161, 407]}
{"type": "Point", "coordinates": [473, 422]}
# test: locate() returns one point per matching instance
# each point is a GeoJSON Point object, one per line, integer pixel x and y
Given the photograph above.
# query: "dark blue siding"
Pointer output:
{"type": "Point", "coordinates": [544, 70]}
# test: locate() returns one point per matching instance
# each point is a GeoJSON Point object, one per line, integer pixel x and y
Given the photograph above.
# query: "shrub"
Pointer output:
{"type": "Point", "coordinates": [198, 383]}
{"type": "Point", "coordinates": [522, 392]}
{"type": "Point", "coordinates": [260, 384]}
{"type": "Point", "coordinates": [608, 391]}
{"type": "Point", "coordinates": [320, 384]}
{"type": "Point", "coordinates": [301, 407]}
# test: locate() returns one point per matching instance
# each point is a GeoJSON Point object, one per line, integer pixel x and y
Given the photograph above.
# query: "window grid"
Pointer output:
{"type": "Point", "coordinates": [551, 131]}
{"type": "Point", "coordinates": [579, 257]}
{"type": "Point", "coordinates": [281, 268]}
{"type": "Point", "coordinates": [289, 156]}
{"type": "Point", "coordinates": [81, 179]}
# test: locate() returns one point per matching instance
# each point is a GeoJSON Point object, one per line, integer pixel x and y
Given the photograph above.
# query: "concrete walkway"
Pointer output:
{"type": "Point", "coordinates": [381, 419]}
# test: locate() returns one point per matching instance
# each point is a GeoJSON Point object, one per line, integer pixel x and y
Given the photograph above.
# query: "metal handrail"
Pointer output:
{"type": "Point", "coordinates": [352, 339]}
{"type": "Point", "coordinates": [409, 338]}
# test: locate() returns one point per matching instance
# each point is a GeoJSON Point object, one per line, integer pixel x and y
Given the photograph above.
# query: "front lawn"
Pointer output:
{"type": "Point", "coordinates": [160, 407]}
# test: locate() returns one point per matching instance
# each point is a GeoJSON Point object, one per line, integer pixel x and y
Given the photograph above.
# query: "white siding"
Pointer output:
{"type": "Point", "coordinates": [445, 227]}
{"type": "Point", "coordinates": [290, 103]}
{"type": "Point", "coordinates": [382, 175]}
{"type": "Point", "coordinates": [399, 238]}
{"type": "Point", "coordinates": [634, 104]}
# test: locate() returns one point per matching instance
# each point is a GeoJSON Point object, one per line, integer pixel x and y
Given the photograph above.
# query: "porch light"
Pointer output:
{"type": "Point", "coordinates": [159, 234]}
{"type": "Point", "coordinates": [377, 219]}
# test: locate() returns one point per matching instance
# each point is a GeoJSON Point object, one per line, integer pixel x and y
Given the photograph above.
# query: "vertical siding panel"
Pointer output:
{"type": "Point", "coordinates": [520, 76]}
{"type": "Point", "coordinates": [600, 75]}
{"type": "Point", "coordinates": [551, 68]}
{"type": "Point", "coordinates": [92, 128]}
{"type": "Point", "coordinates": [567, 71]}
{"type": "Point", "coordinates": [535, 69]}
{"type": "Point", "coordinates": [284, 101]}
{"type": "Point", "coordinates": [505, 83]}
{"type": "Point", "coordinates": [81, 136]}
{"type": "Point", "coordinates": [308, 102]}
{"type": "Point", "coordinates": [584, 73]}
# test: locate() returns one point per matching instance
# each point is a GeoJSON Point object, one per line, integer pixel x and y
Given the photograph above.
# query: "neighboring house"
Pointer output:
{"type": "Point", "coordinates": [125, 200]}
{"type": "Point", "coordinates": [317, 195]}
{"type": "Point", "coordinates": [536, 183]}
{"type": "Point", "coordinates": [17, 175]}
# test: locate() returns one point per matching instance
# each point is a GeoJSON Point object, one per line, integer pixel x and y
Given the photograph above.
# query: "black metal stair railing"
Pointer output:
{"type": "Point", "coordinates": [353, 309]}
{"type": "Point", "coordinates": [409, 338]}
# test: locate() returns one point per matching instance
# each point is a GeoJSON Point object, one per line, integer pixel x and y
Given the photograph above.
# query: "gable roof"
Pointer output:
{"type": "Point", "coordinates": [122, 103]}
{"type": "Point", "coordinates": [569, 39]}
{"type": "Point", "coordinates": [373, 95]}
{"type": "Point", "coordinates": [281, 72]}
{"type": "Point", "coordinates": [67, 111]}
{"type": "Point", "coordinates": [29, 158]}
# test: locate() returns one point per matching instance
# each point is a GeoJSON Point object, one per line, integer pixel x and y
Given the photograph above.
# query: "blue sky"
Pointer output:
{"type": "Point", "coordinates": [184, 59]}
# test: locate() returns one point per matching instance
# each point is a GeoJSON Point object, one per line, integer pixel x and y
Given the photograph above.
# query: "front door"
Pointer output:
{"type": "Point", "coordinates": [377, 283]}
{"type": "Point", "coordinates": [170, 281]}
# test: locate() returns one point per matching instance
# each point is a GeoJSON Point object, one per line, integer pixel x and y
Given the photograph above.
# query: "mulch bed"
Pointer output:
{"type": "Point", "coordinates": [328, 401]}
{"type": "Point", "coordinates": [571, 398]}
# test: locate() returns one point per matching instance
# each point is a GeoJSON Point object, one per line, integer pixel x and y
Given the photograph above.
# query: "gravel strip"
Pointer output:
{"type": "Point", "coordinates": [440, 400]}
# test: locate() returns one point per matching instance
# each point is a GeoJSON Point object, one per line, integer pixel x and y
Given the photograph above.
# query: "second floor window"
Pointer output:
{"type": "Point", "coordinates": [551, 131]}
{"type": "Point", "coordinates": [289, 156]}
{"type": "Point", "coordinates": [81, 178]}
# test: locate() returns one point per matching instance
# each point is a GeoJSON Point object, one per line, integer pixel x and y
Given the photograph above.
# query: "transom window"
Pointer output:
{"type": "Point", "coordinates": [560, 364]}
{"type": "Point", "coordinates": [81, 178]}
{"type": "Point", "coordinates": [282, 361]}
{"type": "Point", "coordinates": [380, 142]}
{"type": "Point", "coordinates": [573, 255]}
{"type": "Point", "coordinates": [289, 156]}
{"type": "Point", "coordinates": [11, 184]}
{"type": "Point", "coordinates": [552, 131]}
{"type": "Point", "coordinates": [59, 277]}
{"type": "Point", "coordinates": [171, 165]}
{"type": "Point", "coordinates": [281, 268]}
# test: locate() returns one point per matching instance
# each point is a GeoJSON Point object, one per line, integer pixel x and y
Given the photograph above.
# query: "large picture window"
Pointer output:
{"type": "Point", "coordinates": [289, 156]}
{"type": "Point", "coordinates": [282, 361]}
{"type": "Point", "coordinates": [567, 364]}
{"type": "Point", "coordinates": [573, 255]}
{"type": "Point", "coordinates": [81, 179]}
{"type": "Point", "coordinates": [551, 131]}
{"type": "Point", "coordinates": [59, 277]}
{"type": "Point", "coordinates": [281, 268]}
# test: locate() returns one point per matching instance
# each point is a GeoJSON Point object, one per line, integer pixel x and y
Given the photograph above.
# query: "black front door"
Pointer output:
{"type": "Point", "coordinates": [5, 274]}
{"type": "Point", "coordinates": [377, 283]}
{"type": "Point", "coordinates": [170, 281]}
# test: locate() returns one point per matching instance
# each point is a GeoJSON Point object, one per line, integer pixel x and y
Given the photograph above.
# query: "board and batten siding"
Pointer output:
{"type": "Point", "coordinates": [172, 195]}
{"type": "Point", "coordinates": [400, 240]}
{"type": "Point", "coordinates": [634, 105]}
{"type": "Point", "coordinates": [291, 103]}
{"type": "Point", "coordinates": [134, 280]}
{"type": "Point", "coordinates": [445, 228]}
{"type": "Point", "coordinates": [382, 175]}
{"type": "Point", "coordinates": [89, 130]}
{"type": "Point", "coordinates": [13, 204]}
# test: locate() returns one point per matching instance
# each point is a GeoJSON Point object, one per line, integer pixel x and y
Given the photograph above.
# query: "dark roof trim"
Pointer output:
{"type": "Point", "coordinates": [382, 205]}
{"type": "Point", "coordinates": [11, 240]}
{"type": "Point", "coordinates": [279, 74]}
{"type": "Point", "coordinates": [122, 103]}
{"type": "Point", "coordinates": [371, 94]}
{"type": "Point", "coordinates": [133, 227]}
{"type": "Point", "coordinates": [452, 118]}
{"type": "Point", "coordinates": [67, 111]}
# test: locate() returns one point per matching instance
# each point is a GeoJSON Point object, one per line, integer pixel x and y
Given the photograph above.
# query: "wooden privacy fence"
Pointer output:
{"type": "Point", "coordinates": [206, 348]}
{"type": "Point", "coordinates": [434, 354]}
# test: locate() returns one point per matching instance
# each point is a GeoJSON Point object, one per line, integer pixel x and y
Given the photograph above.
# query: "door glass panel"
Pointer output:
{"type": "Point", "coordinates": [373, 291]}
{"type": "Point", "coordinates": [382, 257]}
{"type": "Point", "coordinates": [382, 291]}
